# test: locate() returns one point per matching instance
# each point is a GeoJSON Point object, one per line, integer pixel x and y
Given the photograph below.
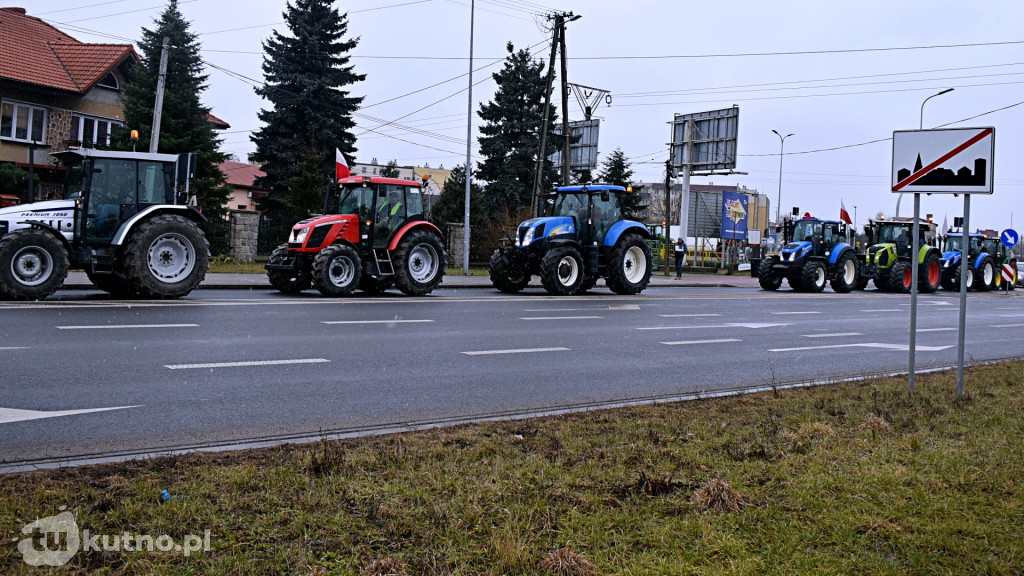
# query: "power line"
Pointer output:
{"type": "Point", "coordinates": [800, 52]}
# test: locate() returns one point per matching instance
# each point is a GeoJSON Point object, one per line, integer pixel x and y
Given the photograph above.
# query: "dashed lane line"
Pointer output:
{"type": "Point", "coordinates": [894, 347]}
{"type": "Point", "coordinates": [936, 329]}
{"type": "Point", "coordinates": [562, 318]}
{"type": "Point", "coordinates": [245, 364]}
{"type": "Point", "coordinates": [125, 326]}
{"type": "Point", "coordinates": [514, 351]}
{"type": "Point", "coordinates": [716, 341]}
{"type": "Point", "coordinates": [687, 315]}
{"type": "Point", "coordinates": [836, 335]}
{"type": "Point", "coordinates": [376, 321]}
{"type": "Point", "coordinates": [796, 313]}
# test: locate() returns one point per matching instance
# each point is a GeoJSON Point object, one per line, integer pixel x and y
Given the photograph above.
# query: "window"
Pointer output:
{"type": "Point", "coordinates": [95, 131]}
{"type": "Point", "coordinates": [22, 122]}
{"type": "Point", "coordinates": [108, 81]}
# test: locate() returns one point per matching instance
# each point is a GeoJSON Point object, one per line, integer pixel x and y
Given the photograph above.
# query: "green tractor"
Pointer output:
{"type": "Point", "coordinates": [887, 259]}
{"type": "Point", "coordinates": [985, 257]}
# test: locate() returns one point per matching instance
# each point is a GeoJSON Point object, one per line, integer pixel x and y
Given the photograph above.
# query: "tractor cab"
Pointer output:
{"type": "Point", "coordinates": [592, 209]}
{"type": "Point", "coordinates": [381, 205]}
{"type": "Point", "coordinates": [812, 237]}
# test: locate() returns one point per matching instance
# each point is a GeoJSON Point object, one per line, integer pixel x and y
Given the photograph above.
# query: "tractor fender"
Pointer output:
{"type": "Point", "coordinates": [837, 251]}
{"type": "Point", "coordinates": [186, 211]}
{"type": "Point", "coordinates": [925, 251]}
{"type": "Point", "coordinates": [623, 226]}
{"type": "Point", "coordinates": [51, 230]}
{"type": "Point", "coordinates": [417, 224]}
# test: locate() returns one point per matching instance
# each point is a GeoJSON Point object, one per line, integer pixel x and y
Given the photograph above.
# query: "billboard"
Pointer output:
{"type": "Point", "coordinates": [734, 216]}
{"type": "Point", "coordinates": [583, 149]}
{"type": "Point", "coordinates": [947, 161]}
{"type": "Point", "coordinates": [712, 140]}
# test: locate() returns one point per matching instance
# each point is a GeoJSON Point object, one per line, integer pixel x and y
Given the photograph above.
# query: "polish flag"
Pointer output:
{"type": "Point", "coordinates": [843, 214]}
{"type": "Point", "coordinates": [341, 169]}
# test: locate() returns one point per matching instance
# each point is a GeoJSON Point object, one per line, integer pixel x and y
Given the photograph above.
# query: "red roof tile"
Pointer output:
{"type": "Point", "coordinates": [34, 52]}
{"type": "Point", "coordinates": [239, 174]}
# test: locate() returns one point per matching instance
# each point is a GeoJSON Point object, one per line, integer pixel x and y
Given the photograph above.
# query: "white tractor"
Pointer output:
{"type": "Point", "coordinates": [123, 220]}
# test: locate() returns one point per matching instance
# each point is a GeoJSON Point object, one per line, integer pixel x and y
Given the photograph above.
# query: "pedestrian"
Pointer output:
{"type": "Point", "coordinates": [680, 250]}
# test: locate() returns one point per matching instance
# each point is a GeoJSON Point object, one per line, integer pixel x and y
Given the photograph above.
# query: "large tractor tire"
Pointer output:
{"type": "Point", "coordinates": [901, 277]}
{"type": "Point", "coordinates": [166, 256]}
{"type": "Point", "coordinates": [337, 270]}
{"type": "Point", "coordinates": [114, 283]}
{"type": "Point", "coordinates": [33, 264]}
{"type": "Point", "coordinates": [796, 278]}
{"type": "Point", "coordinates": [629, 265]}
{"type": "Point", "coordinates": [813, 277]}
{"type": "Point", "coordinates": [588, 283]}
{"type": "Point", "coordinates": [929, 276]}
{"type": "Point", "coordinates": [882, 282]}
{"type": "Point", "coordinates": [419, 262]}
{"type": "Point", "coordinates": [949, 282]}
{"type": "Point", "coordinates": [847, 273]}
{"type": "Point", "coordinates": [1013, 283]}
{"type": "Point", "coordinates": [766, 277]}
{"type": "Point", "coordinates": [957, 275]}
{"type": "Point", "coordinates": [984, 276]}
{"type": "Point", "coordinates": [561, 271]}
{"type": "Point", "coordinates": [287, 282]}
{"type": "Point", "coordinates": [504, 277]}
{"type": "Point", "coordinates": [378, 285]}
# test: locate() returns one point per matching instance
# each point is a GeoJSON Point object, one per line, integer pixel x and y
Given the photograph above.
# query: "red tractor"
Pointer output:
{"type": "Point", "coordinates": [377, 238]}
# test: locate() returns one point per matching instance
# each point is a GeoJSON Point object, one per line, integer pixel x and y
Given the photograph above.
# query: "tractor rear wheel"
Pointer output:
{"type": "Point", "coordinates": [901, 277]}
{"type": "Point", "coordinates": [287, 282]}
{"type": "Point", "coordinates": [419, 261]}
{"type": "Point", "coordinates": [166, 256]}
{"type": "Point", "coordinates": [504, 277]}
{"type": "Point", "coordinates": [337, 270]}
{"type": "Point", "coordinates": [847, 273]}
{"type": "Point", "coordinates": [930, 274]}
{"type": "Point", "coordinates": [561, 271]}
{"type": "Point", "coordinates": [33, 264]}
{"type": "Point", "coordinates": [629, 265]}
{"type": "Point", "coordinates": [985, 279]}
{"type": "Point", "coordinates": [766, 277]}
{"type": "Point", "coordinates": [813, 276]}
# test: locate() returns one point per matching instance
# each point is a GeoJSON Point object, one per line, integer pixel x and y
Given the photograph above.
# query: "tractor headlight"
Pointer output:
{"type": "Point", "coordinates": [528, 239]}
{"type": "Point", "coordinates": [300, 236]}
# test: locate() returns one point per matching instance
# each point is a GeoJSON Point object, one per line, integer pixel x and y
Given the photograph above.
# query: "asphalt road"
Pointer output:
{"type": "Point", "coordinates": [227, 367]}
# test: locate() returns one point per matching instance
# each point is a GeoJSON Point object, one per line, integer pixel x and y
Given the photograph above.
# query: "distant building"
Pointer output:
{"type": "Point", "coordinates": [438, 175]}
{"type": "Point", "coordinates": [242, 179]}
{"type": "Point", "coordinates": [705, 207]}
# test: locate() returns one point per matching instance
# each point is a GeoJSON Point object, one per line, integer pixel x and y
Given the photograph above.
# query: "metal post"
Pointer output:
{"type": "Point", "coordinates": [684, 195]}
{"type": "Point", "coordinates": [32, 172]}
{"type": "Point", "coordinates": [158, 106]}
{"type": "Point", "coordinates": [566, 134]}
{"type": "Point", "coordinates": [782, 147]}
{"type": "Point", "coordinates": [469, 141]}
{"type": "Point", "coordinates": [915, 247]}
{"type": "Point", "coordinates": [964, 251]}
{"type": "Point", "coordinates": [538, 178]}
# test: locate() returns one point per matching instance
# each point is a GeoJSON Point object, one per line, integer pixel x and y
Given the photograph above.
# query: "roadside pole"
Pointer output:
{"type": "Point", "coordinates": [965, 250]}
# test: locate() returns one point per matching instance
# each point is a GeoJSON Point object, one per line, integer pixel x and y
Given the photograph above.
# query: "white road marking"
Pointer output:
{"type": "Point", "coordinates": [901, 347]}
{"type": "Point", "coordinates": [514, 351]}
{"type": "Point", "coordinates": [1011, 315]}
{"type": "Point", "coordinates": [14, 348]}
{"type": "Point", "coordinates": [374, 321]}
{"type": "Point", "coordinates": [685, 342]}
{"type": "Point", "coordinates": [836, 335]}
{"type": "Point", "coordinates": [8, 415]}
{"type": "Point", "coordinates": [120, 326]}
{"type": "Point", "coordinates": [884, 310]}
{"type": "Point", "coordinates": [686, 315]}
{"type": "Point", "coordinates": [591, 309]}
{"type": "Point", "coordinates": [623, 306]}
{"type": "Point", "coordinates": [795, 313]}
{"type": "Point", "coordinates": [750, 325]}
{"type": "Point", "coordinates": [562, 318]}
{"type": "Point", "coordinates": [1007, 325]}
{"type": "Point", "coordinates": [936, 329]}
{"type": "Point", "coordinates": [244, 364]}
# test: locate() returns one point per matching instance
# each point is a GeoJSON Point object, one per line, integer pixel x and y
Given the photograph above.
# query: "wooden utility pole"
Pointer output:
{"type": "Point", "coordinates": [566, 133]}
{"type": "Point", "coordinates": [538, 178]}
{"type": "Point", "coordinates": [158, 106]}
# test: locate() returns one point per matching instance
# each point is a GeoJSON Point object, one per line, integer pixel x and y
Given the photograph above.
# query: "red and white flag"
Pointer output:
{"type": "Point", "coordinates": [843, 214]}
{"type": "Point", "coordinates": [341, 169]}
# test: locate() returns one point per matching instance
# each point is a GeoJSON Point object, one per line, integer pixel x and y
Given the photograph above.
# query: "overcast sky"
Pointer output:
{"type": "Point", "coordinates": [836, 75]}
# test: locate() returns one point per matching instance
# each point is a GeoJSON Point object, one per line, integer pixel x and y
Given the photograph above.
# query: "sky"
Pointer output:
{"type": "Point", "coordinates": [840, 77]}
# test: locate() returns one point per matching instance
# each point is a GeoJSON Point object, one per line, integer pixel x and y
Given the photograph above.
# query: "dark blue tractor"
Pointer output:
{"type": "Point", "coordinates": [585, 238]}
{"type": "Point", "coordinates": [815, 253]}
{"type": "Point", "coordinates": [984, 258]}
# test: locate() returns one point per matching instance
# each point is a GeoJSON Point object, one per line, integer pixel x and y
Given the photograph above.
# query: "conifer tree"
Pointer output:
{"type": "Point", "coordinates": [510, 134]}
{"type": "Point", "coordinates": [616, 169]}
{"type": "Point", "coordinates": [308, 76]}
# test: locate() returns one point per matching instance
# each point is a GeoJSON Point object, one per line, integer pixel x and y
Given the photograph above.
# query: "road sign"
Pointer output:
{"type": "Point", "coordinates": [1008, 274]}
{"type": "Point", "coordinates": [1009, 238]}
{"type": "Point", "coordinates": [712, 144]}
{"type": "Point", "coordinates": [953, 161]}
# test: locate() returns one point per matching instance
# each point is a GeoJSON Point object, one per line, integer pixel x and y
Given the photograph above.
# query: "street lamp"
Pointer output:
{"type": "Point", "coordinates": [920, 126]}
{"type": "Point", "coordinates": [782, 146]}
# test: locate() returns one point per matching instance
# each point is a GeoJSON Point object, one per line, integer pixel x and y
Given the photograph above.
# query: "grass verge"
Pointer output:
{"type": "Point", "coordinates": [854, 478]}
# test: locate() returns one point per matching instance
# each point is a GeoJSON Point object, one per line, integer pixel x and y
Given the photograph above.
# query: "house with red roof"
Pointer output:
{"type": "Point", "coordinates": [242, 179]}
{"type": "Point", "coordinates": [55, 91]}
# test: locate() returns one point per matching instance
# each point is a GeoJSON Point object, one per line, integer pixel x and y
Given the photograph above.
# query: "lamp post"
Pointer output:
{"type": "Point", "coordinates": [782, 146]}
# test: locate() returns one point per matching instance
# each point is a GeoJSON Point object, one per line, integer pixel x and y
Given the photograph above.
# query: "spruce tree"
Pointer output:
{"type": "Point", "coordinates": [307, 77]}
{"type": "Point", "coordinates": [390, 170]}
{"type": "Point", "coordinates": [510, 134]}
{"type": "Point", "coordinates": [184, 121]}
{"type": "Point", "coordinates": [616, 169]}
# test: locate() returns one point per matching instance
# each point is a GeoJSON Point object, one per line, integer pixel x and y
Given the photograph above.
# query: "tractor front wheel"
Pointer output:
{"type": "Point", "coordinates": [846, 272]}
{"type": "Point", "coordinates": [561, 271]}
{"type": "Point", "coordinates": [287, 282]}
{"type": "Point", "coordinates": [378, 285]}
{"type": "Point", "coordinates": [985, 279]}
{"type": "Point", "coordinates": [957, 275]}
{"type": "Point", "coordinates": [813, 277]}
{"type": "Point", "coordinates": [337, 270]}
{"type": "Point", "coordinates": [930, 274]}
{"type": "Point", "coordinates": [768, 279]}
{"type": "Point", "coordinates": [166, 256]}
{"type": "Point", "coordinates": [33, 264]}
{"type": "Point", "coordinates": [901, 277]}
{"type": "Point", "coordinates": [420, 261]}
{"type": "Point", "coordinates": [504, 276]}
{"type": "Point", "coordinates": [629, 265]}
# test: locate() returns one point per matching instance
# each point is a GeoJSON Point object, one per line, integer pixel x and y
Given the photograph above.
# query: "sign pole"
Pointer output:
{"type": "Point", "coordinates": [914, 249]}
{"type": "Point", "coordinates": [965, 250]}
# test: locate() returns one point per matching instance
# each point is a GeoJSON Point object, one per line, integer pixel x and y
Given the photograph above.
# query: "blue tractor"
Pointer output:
{"type": "Point", "coordinates": [815, 253]}
{"type": "Point", "coordinates": [984, 257]}
{"type": "Point", "coordinates": [585, 238]}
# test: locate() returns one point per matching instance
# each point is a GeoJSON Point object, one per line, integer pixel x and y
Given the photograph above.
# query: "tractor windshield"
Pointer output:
{"type": "Point", "coordinates": [356, 200]}
{"type": "Point", "coordinates": [572, 205]}
{"type": "Point", "coordinates": [73, 182]}
{"type": "Point", "coordinates": [806, 230]}
{"type": "Point", "coordinates": [953, 243]}
{"type": "Point", "coordinates": [894, 234]}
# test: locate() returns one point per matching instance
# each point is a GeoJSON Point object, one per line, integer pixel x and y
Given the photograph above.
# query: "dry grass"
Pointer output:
{"type": "Point", "coordinates": [565, 562]}
{"type": "Point", "coordinates": [718, 496]}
